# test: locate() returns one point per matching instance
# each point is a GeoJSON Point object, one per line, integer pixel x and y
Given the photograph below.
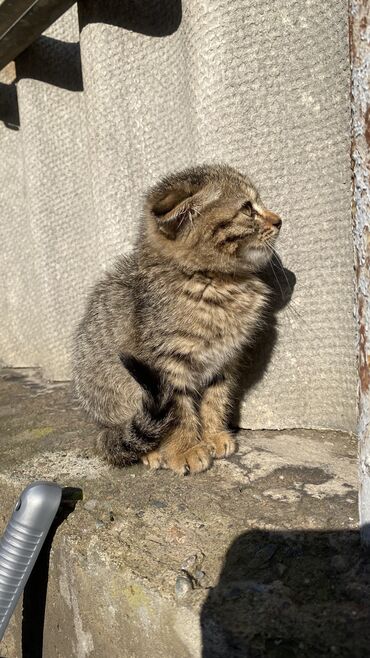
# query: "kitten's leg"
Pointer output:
{"type": "Point", "coordinates": [182, 450]}
{"type": "Point", "coordinates": [214, 410]}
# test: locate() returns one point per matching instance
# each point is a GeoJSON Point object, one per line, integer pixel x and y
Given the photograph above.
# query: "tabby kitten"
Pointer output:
{"type": "Point", "coordinates": [157, 348]}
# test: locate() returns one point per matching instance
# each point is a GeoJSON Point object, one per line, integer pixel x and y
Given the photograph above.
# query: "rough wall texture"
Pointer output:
{"type": "Point", "coordinates": [360, 51]}
{"type": "Point", "coordinates": [264, 87]}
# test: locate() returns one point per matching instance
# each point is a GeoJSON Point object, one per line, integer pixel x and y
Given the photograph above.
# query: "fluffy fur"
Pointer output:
{"type": "Point", "coordinates": [158, 345]}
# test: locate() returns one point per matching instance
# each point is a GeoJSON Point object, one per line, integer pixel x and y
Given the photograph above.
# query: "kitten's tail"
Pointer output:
{"type": "Point", "coordinates": [143, 433]}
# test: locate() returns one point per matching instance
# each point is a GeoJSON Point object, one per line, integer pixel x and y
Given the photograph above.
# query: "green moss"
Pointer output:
{"type": "Point", "coordinates": [41, 432]}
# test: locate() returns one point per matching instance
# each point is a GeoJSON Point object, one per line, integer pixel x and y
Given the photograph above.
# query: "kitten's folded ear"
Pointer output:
{"type": "Point", "coordinates": [172, 211]}
{"type": "Point", "coordinates": [173, 208]}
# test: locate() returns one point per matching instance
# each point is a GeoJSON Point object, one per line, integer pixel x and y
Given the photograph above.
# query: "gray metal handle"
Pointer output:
{"type": "Point", "coordinates": [22, 540]}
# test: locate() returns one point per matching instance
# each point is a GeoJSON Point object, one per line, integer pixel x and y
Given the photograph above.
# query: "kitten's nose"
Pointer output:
{"type": "Point", "coordinates": [273, 219]}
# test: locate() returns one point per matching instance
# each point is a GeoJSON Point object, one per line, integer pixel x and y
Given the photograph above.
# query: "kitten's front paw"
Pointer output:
{"type": "Point", "coordinates": [221, 444]}
{"type": "Point", "coordinates": [195, 460]}
{"type": "Point", "coordinates": [153, 459]}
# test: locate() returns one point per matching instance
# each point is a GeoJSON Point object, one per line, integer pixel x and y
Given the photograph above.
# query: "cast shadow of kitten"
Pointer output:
{"type": "Point", "coordinates": [256, 357]}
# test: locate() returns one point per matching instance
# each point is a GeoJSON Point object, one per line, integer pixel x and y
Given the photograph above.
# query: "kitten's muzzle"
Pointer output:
{"type": "Point", "coordinates": [272, 219]}
{"type": "Point", "coordinates": [277, 223]}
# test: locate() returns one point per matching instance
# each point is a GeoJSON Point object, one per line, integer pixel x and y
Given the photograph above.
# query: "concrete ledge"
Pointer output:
{"type": "Point", "coordinates": [139, 567]}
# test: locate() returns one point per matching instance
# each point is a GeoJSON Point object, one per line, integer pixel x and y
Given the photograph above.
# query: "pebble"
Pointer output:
{"type": "Point", "coordinates": [189, 562]}
{"type": "Point", "coordinates": [199, 575]}
{"type": "Point", "coordinates": [183, 585]}
{"type": "Point", "coordinates": [99, 524]}
{"type": "Point", "coordinates": [281, 568]}
{"type": "Point", "coordinates": [262, 556]}
{"type": "Point", "coordinates": [266, 552]}
{"type": "Point", "coordinates": [159, 504]}
{"type": "Point", "coordinates": [339, 563]}
{"type": "Point", "coordinates": [90, 504]}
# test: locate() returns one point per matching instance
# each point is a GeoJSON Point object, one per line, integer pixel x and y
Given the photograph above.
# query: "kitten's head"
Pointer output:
{"type": "Point", "coordinates": [211, 217]}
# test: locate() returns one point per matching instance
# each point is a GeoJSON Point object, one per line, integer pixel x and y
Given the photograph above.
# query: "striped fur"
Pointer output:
{"type": "Point", "coordinates": [125, 444]}
{"type": "Point", "coordinates": [157, 349]}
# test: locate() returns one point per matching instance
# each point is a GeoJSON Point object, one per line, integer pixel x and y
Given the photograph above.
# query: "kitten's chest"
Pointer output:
{"type": "Point", "coordinates": [223, 315]}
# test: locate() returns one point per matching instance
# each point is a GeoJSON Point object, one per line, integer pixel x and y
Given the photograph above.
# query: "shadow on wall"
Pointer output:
{"type": "Point", "coordinates": [155, 18]}
{"type": "Point", "coordinates": [58, 62]}
{"type": "Point", "coordinates": [290, 594]}
{"type": "Point", "coordinates": [256, 357]}
{"type": "Point", "coordinates": [52, 61]}
{"type": "Point", "coordinates": [48, 60]}
{"type": "Point", "coordinates": [9, 112]}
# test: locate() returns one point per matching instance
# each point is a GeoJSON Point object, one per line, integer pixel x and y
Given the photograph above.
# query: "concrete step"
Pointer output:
{"type": "Point", "coordinates": [259, 556]}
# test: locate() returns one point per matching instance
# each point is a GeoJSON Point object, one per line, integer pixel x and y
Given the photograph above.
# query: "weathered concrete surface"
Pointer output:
{"type": "Point", "coordinates": [139, 567]}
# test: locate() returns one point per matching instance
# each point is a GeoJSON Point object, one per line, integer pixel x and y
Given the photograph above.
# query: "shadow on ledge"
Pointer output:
{"type": "Point", "coordinates": [289, 595]}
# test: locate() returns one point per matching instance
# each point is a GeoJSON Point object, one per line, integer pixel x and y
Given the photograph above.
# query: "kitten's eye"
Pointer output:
{"type": "Point", "coordinates": [248, 208]}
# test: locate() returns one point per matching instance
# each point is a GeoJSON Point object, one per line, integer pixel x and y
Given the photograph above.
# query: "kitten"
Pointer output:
{"type": "Point", "coordinates": [158, 346]}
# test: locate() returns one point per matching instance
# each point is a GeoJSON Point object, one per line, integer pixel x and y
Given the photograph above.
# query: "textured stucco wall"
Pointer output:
{"type": "Point", "coordinates": [264, 87]}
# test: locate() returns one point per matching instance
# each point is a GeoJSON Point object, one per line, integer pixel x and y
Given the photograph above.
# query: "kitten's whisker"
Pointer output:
{"type": "Point", "coordinates": [290, 307]}
{"type": "Point", "coordinates": [182, 221]}
{"type": "Point", "coordinates": [281, 266]}
{"type": "Point", "coordinates": [277, 280]}
{"type": "Point", "coordinates": [297, 316]}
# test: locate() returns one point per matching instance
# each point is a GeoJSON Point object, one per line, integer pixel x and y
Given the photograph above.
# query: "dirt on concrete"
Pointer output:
{"type": "Point", "coordinates": [259, 556]}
